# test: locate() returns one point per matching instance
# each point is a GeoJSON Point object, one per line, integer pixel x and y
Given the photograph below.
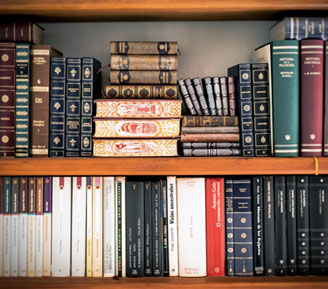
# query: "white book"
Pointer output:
{"type": "Point", "coordinates": [192, 227]}
{"type": "Point", "coordinates": [1, 242]}
{"type": "Point", "coordinates": [14, 227]}
{"type": "Point", "coordinates": [6, 225]}
{"type": "Point", "coordinates": [78, 226]}
{"type": "Point", "coordinates": [31, 227]}
{"type": "Point", "coordinates": [109, 227]}
{"type": "Point", "coordinates": [89, 228]}
{"type": "Point", "coordinates": [172, 226]}
{"type": "Point", "coordinates": [39, 227]}
{"type": "Point", "coordinates": [61, 224]}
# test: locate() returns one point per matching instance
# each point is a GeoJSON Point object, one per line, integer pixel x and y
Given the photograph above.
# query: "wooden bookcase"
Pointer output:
{"type": "Point", "coordinates": [165, 10]}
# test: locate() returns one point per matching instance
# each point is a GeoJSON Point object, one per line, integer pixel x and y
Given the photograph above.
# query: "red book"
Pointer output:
{"type": "Point", "coordinates": [325, 143]}
{"type": "Point", "coordinates": [215, 230]}
{"type": "Point", "coordinates": [312, 74]}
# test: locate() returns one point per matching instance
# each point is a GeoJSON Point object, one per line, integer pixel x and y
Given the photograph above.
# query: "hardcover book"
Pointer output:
{"type": "Point", "coordinates": [14, 219]}
{"type": "Point", "coordinates": [211, 152]}
{"type": "Point", "coordinates": [1, 225]}
{"type": "Point", "coordinates": [7, 206]}
{"type": "Point", "coordinates": [200, 95]}
{"type": "Point", "coordinates": [217, 95]}
{"type": "Point", "coordinates": [229, 210]}
{"type": "Point", "coordinates": [89, 228]}
{"type": "Point", "coordinates": [210, 129]}
{"type": "Point", "coordinates": [39, 227]}
{"type": "Point", "coordinates": [224, 95]}
{"type": "Point", "coordinates": [325, 141]}
{"type": "Point", "coordinates": [186, 97]}
{"type": "Point", "coordinates": [209, 145]}
{"type": "Point", "coordinates": [193, 97]}
{"type": "Point", "coordinates": [232, 95]}
{"type": "Point", "coordinates": [210, 137]}
{"type": "Point", "coordinates": [31, 226]}
{"type": "Point", "coordinates": [144, 47]}
{"type": "Point", "coordinates": [204, 121]}
{"type": "Point", "coordinates": [22, 230]}
{"type": "Point", "coordinates": [156, 229]}
{"type": "Point", "coordinates": [148, 229]}
{"type": "Point", "coordinates": [142, 77]}
{"type": "Point", "coordinates": [164, 221]}
{"type": "Point", "coordinates": [207, 83]}
{"type": "Point", "coordinates": [25, 32]}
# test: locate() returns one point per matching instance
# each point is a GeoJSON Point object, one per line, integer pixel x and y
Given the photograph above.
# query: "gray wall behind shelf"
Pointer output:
{"type": "Point", "coordinates": [207, 48]}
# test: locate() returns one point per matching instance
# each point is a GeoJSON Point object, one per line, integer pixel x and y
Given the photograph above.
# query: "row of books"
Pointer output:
{"type": "Point", "coordinates": [163, 226]}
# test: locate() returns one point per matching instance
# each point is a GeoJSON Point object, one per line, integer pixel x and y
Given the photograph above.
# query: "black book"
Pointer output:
{"type": "Point", "coordinates": [193, 97]}
{"type": "Point", "coordinates": [134, 202]}
{"type": "Point", "coordinates": [165, 227]}
{"type": "Point", "coordinates": [303, 226]}
{"type": "Point", "coordinates": [200, 94]}
{"type": "Point", "coordinates": [280, 226]}
{"type": "Point", "coordinates": [258, 225]}
{"type": "Point", "coordinates": [186, 97]}
{"type": "Point", "coordinates": [318, 224]}
{"type": "Point", "coordinates": [148, 231]}
{"type": "Point", "coordinates": [208, 88]}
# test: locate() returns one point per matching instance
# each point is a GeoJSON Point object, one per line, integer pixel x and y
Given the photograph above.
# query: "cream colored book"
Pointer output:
{"type": "Point", "coordinates": [89, 233]}
{"type": "Point", "coordinates": [6, 225]}
{"type": "Point", "coordinates": [97, 260]}
{"type": "Point", "coordinates": [31, 227]}
{"type": "Point", "coordinates": [14, 219]}
{"type": "Point", "coordinates": [1, 242]}
{"type": "Point", "coordinates": [39, 227]}
{"type": "Point", "coordinates": [192, 227]}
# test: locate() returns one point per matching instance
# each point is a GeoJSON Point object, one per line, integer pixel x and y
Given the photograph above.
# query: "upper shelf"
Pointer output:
{"type": "Point", "coordinates": [150, 10]}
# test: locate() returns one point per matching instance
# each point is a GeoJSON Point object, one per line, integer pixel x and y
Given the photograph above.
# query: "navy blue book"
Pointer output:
{"type": "Point", "coordinates": [91, 89]}
{"type": "Point", "coordinates": [244, 104]}
{"type": "Point", "coordinates": [57, 106]}
{"type": "Point", "coordinates": [73, 107]}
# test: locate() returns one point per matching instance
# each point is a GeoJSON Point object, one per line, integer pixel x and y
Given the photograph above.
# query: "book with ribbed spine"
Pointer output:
{"type": "Point", "coordinates": [210, 129]}
{"type": "Point", "coordinates": [22, 234]}
{"type": "Point", "coordinates": [217, 94]}
{"type": "Point", "coordinates": [57, 106]}
{"type": "Point", "coordinates": [31, 226]}
{"type": "Point", "coordinates": [25, 32]}
{"type": "Point", "coordinates": [224, 94]}
{"type": "Point", "coordinates": [22, 100]}
{"type": "Point", "coordinates": [200, 95]}
{"type": "Point", "coordinates": [142, 77]}
{"type": "Point", "coordinates": [209, 145]}
{"type": "Point", "coordinates": [231, 95]}
{"type": "Point", "coordinates": [7, 207]}
{"type": "Point", "coordinates": [211, 152]}
{"type": "Point", "coordinates": [210, 137]}
{"type": "Point", "coordinates": [14, 219]}
{"type": "Point", "coordinates": [208, 88]}
{"type": "Point", "coordinates": [204, 121]}
{"type": "Point", "coordinates": [144, 47]}
{"type": "Point", "coordinates": [186, 97]}
{"type": "Point", "coordinates": [193, 97]}
{"type": "Point", "coordinates": [39, 227]}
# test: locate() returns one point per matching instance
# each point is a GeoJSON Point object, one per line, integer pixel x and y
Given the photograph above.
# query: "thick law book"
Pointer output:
{"type": "Point", "coordinates": [143, 62]}
{"type": "Point", "coordinates": [224, 94]}
{"type": "Point", "coordinates": [261, 109]}
{"type": "Point", "coordinates": [210, 129]}
{"type": "Point", "coordinates": [137, 128]}
{"type": "Point", "coordinates": [22, 100]}
{"type": "Point", "coordinates": [139, 108]}
{"type": "Point", "coordinates": [142, 77]}
{"type": "Point", "coordinates": [91, 89]}
{"type": "Point", "coordinates": [1, 225]}
{"type": "Point", "coordinates": [217, 95]}
{"type": "Point", "coordinates": [89, 235]}
{"type": "Point", "coordinates": [193, 97]}
{"type": "Point", "coordinates": [14, 233]}
{"type": "Point", "coordinates": [39, 99]}
{"type": "Point", "coordinates": [208, 121]}
{"type": "Point", "coordinates": [148, 228]}
{"type": "Point", "coordinates": [209, 145]}
{"type": "Point", "coordinates": [208, 88]}
{"type": "Point", "coordinates": [39, 227]}
{"type": "Point", "coordinates": [303, 225]}
{"type": "Point", "coordinates": [141, 91]}
{"type": "Point", "coordinates": [7, 99]}
{"type": "Point", "coordinates": [211, 152]}
{"type": "Point", "coordinates": [200, 95]}
{"type": "Point", "coordinates": [73, 107]}
{"type": "Point", "coordinates": [31, 226]}
{"type": "Point", "coordinates": [57, 106]}
{"type": "Point", "coordinates": [22, 229]}
{"type": "Point", "coordinates": [61, 226]}
{"type": "Point", "coordinates": [192, 227]}
{"type": "Point", "coordinates": [7, 207]}
{"type": "Point", "coordinates": [244, 101]}
{"type": "Point", "coordinates": [22, 32]}
{"type": "Point", "coordinates": [186, 97]}
{"type": "Point", "coordinates": [210, 137]}
{"type": "Point", "coordinates": [285, 97]}
{"type": "Point", "coordinates": [144, 47]}
{"type": "Point", "coordinates": [229, 209]}
{"type": "Point", "coordinates": [215, 226]}
{"type": "Point", "coordinates": [318, 208]}
{"type": "Point", "coordinates": [311, 96]}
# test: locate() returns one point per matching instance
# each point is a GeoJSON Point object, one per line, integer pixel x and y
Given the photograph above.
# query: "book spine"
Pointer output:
{"type": "Point", "coordinates": [78, 226]}
{"type": "Point", "coordinates": [217, 95]}
{"type": "Point", "coordinates": [172, 226]}
{"type": "Point", "coordinates": [57, 106]}
{"type": "Point", "coordinates": [318, 224]}
{"type": "Point", "coordinates": [208, 145]}
{"type": "Point", "coordinates": [211, 152]}
{"type": "Point", "coordinates": [7, 99]}
{"type": "Point", "coordinates": [31, 226]}
{"type": "Point", "coordinates": [1, 226]}
{"type": "Point", "coordinates": [7, 207]}
{"type": "Point", "coordinates": [303, 225]}
{"type": "Point", "coordinates": [143, 47]}
{"type": "Point", "coordinates": [224, 95]}
{"type": "Point", "coordinates": [325, 141]}
{"type": "Point", "coordinates": [280, 226]}
{"type": "Point", "coordinates": [148, 229]}
{"type": "Point", "coordinates": [47, 214]}
{"type": "Point", "coordinates": [193, 96]}
{"type": "Point", "coordinates": [217, 129]}
{"type": "Point", "coordinates": [210, 137]}
{"type": "Point", "coordinates": [144, 62]}
{"type": "Point", "coordinates": [142, 91]}
{"type": "Point", "coordinates": [215, 228]}
{"type": "Point", "coordinates": [89, 240]}
{"type": "Point", "coordinates": [20, 32]}
{"type": "Point", "coordinates": [135, 229]}
{"type": "Point", "coordinates": [268, 225]}
{"type": "Point", "coordinates": [22, 235]}
{"type": "Point", "coordinates": [156, 218]}
{"type": "Point", "coordinates": [141, 77]}
{"type": "Point", "coordinates": [232, 95]}
{"type": "Point", "coordinates": [73, 107]}
{"type": "Point", "coordinates": [285, 95]}
{"type": "Point", "coordinates": [39, 227]}
{"type": "Point", "coordinates": [200, 94]}
{"type": "Point", "coordinates": [311, 96]}
{"type": "Point", "coordinates": [207, 83]}
{"type": "Point", "coordinates": [22, 100]}
{"type": "Point", "coordinates": [244, 99]}
{"type": "Point", "coordinates": [192, 227]}
{"type": "Point", "coordinates": [230, 254]}
{"type": "Point", "coordinates": [186, 97]}
{"type": "Point", "coordinates": [258, 225]}
{"type": "Point", "coordinates": [291, 225]}
{"type": "Point", "coordinates": [91, 87]}
{"type": "Point", "coordinates": [109, 227]}
{"type": "Point", "coordinates": [204, 121]}
{"type": "Point", "coordinates": [165, 240]}
{"type": "Point", "coordinates": [261, 109]}
{"type": "Point", "coordinates": [14, 227]}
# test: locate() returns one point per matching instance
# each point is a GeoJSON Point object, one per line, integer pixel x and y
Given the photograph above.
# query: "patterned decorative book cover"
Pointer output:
{"type": "Point", "coordinates": [148, 128]}
{"type": "Point", "coordinates": [23, 32]}
{"type": "Point", "coordinates": [135, 148]}
{"type": "Point", "coordinates": [107, 108]}
{"type": "Point", "coordinates": [144, 47]}
{"type": "Point", "coordinates": [142, 77]}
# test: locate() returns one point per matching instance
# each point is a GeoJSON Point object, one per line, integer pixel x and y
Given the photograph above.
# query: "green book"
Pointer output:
{"type": "Point", "coordinates": [285, 95]}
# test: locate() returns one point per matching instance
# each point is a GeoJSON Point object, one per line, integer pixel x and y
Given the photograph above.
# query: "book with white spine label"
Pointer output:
{"type": "Point", "coordinates": [39, 227]}
{"type": "Point", "coordinates": [89, 228]}
{"type": "Point", "coordinates": [31, 195]}
{"type": "Point", "coordinates": [192, 227]}
{"type": "Point", "coordinates": [47, 216]}
{"type": "Point", "coordinates": [14, 219]}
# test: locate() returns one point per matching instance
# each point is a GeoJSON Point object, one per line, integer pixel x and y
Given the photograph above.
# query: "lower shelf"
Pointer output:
{"type": "Point", "coordinates": [158, 283]}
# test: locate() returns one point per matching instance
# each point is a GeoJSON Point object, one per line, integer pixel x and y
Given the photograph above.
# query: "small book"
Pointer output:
{"type": "Point", "coordinates": [209, 145]}
{"type": "Point", "coordinates": [209, 121]}
{"type": "Point", "coordinates": [144, 47]}
{"type": "Point", "coordinates": [217, 95]}
{"type": "Point", "coordinates": [208, 88]}
{"type": "Point", "coordinates": [148, 229]}
{"type": "Point", "coordinates": [143, 77]}
{"type": "Point", "coordinates": [200, 95]}
{"type": "Point", "coordinates": [186, 97]}
{"type": "Point", "coordinates": [224, 95]}
{"type": "Point", "coordinates": [25, 32]}
{"type": "Point", "coordinates": [211, 152]}
{"type": "Point", "coordinates": [164, 230]}
{"type": "Point", "coordinates": [231, 95]}
{"type": "Point", "coordinates": [210, 129]}
{"type": "Point", "coordinates": [193, 97]}
{"type": "Point", "coordinates": [210, 137]}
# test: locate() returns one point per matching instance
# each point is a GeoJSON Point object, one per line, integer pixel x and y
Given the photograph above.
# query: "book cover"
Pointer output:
{"type": "Point", "coordinates": [231, 95]}
{"type": "Point", "coordinates": [217, 95]}
{"type": "Point", "coordinates": [144, 47]}
{"type": "Point", "coordinates": [224, 94]}
{"type": "Point", "coordinates": [186, 97]}
{"type": "Point", "coordinates": [193, 97]}
{"type": "Point", "coordinates": [200, 95]}
{"type": "Point", "coordinates": [192, 227]}
{"type": "Point", "coordinates": [22, 229]}
{"type": "Point", "coordinates": [210, 137]}
{"type": "Point", "coordinates": [7, 207]}
{"type": "Point", "coordinates": [31, 226]}
{"type": "Point", "coordinates": [208, 88]}
{"type": "Point", "coordinates": [89, 228]}
{"type": "Point", "coordinates": [1, 225]}
{"type": "Point", "coordinates": [211, 152]}
{"type": "Point", "coordinates": [208, 121]}
{"type": "Point", "coordinates": [39, 227]}
{"type": "Point", "coordinates": [157, 228]}
{"type": "Point", "coordinates": [20, 32]}
{"type": "Point", "coordinates": [142, 77]}
{"type": "Point", "coordinates": [14, 219]}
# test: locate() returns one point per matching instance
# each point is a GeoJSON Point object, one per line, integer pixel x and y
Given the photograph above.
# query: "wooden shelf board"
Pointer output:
{"type": "Point", "coordinates": [161, 166]}
{"type": "Point", "coordinates": [113, 10]}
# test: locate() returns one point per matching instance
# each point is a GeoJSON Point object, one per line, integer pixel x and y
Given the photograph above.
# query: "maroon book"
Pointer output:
{"type": "Point", "coordinates": [20, 32]}
{"type": "Point", "coordinates": [325, 143]}
{"type": "Point", "coordinates": [312, 74]}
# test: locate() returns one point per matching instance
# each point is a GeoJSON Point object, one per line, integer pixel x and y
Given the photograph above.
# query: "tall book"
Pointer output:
{"type": "Point", "coordinates": [285, 96]}
{"type": "Point", "coordinates": [39, 227]}
{"type": "Point", "coordinates": [89, 229]}
{"type": "Point", "coordinates": [148, 228]}
{"type": "Point", "coordinates": [61, 226]}
{"type": "Point", "coordinates": [144, 47]}
{"type": "Point", "coordinates": [192, 227]}
{"type": "Point", "coordinates": [91, 89]}
{"type": "Point", "coordinates": [14, 219]}
{"type": "Point", "coordinates": [109, 227]}
{"type": "Point", "coordinates": [311, 96]}
{"type": "Point", "coordinates": [73, 107]}
{"type": "Point", "coordinates": [261, 109]}
{"type": "Point", "coordinates": [1, 225]}
{"type": "Point", "coordinates": [244, 101]}
{"type": "Point", "coordinates": [22, 100]}
{"type": "Point", "coordinates": [164, 231]}
{"type": "Point", "coordinates": [79, 192]}
{"type": "Point", "coordinates": [22, 230]}
{"type": "Point", "coordinates": [230, 254]}
{"type": "Point", "coordinates": [215, 226]}
{"type": "Point", "coordinates": [31, 226]}
{"type": "Point", "coordinates": [325, 141]}
{"type": "Point", "coordinates": [157, 230]}
{"type": "Point", "coordinates": [7, 207]}
{"type": "Point", "coordinates": [7, 99]}
{"type": "Point", "coordinates": [57, 106]}
{"type": "Point", "coordinates": [25, 32]}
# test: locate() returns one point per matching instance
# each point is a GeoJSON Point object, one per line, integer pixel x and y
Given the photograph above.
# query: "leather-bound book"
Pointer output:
{"type": "Point", "coordinates": [144, 47]}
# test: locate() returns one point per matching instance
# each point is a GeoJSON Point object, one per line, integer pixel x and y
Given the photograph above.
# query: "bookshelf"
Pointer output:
{"type": "Point", "coordinates": [124, 12]}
